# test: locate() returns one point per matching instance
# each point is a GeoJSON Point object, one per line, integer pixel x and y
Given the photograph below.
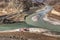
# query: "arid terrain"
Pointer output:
{"type": "Point", "coordinates": [25, 36]}
{"type": "Point", "coordinates": [13, 10]}
{"type": "Point", "coordinates": [10, 11]}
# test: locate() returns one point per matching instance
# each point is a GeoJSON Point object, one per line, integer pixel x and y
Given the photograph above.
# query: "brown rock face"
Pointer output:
{"type": "Point", "coordinates": [52, 2]}
{"type": "Point", "coordinates": [56, 12]}
{"type": "Point", "coordinates": [25, 36]}
{"type": "Point", "coordinates": [57, 7]}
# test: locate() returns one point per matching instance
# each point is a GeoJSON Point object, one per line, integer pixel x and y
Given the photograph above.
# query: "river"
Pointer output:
{"type": "Point", "coordinates": [37, 20]}
{"type": "Point", "coordinates": [4, 27]}
{"type": "Point", "coordinates": [29, 22]}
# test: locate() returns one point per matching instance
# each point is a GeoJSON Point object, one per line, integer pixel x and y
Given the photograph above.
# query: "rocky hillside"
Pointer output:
{"type": "Point", "coordinates": [25, 36]}
{"type": "Point", "coordinates": [13, 8]}
{"type": "Point", "coordinates": [52, 2]}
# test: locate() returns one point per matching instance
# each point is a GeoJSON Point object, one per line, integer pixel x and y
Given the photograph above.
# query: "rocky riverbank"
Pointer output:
{"type": "Point", "coordinates": [25, 36]}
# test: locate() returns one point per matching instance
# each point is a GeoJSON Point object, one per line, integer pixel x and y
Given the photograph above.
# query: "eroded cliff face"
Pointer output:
{"type": "Point", "coordinates": [52, 2]}
{"type": "Point", "coordinates": [13, 8]}
{"type": "Point", "coordinates": [55, 13]}
{"type": "Point", "coordinates": [25, 36]}
{"type": "Point", "coordinates": [16, 6]}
